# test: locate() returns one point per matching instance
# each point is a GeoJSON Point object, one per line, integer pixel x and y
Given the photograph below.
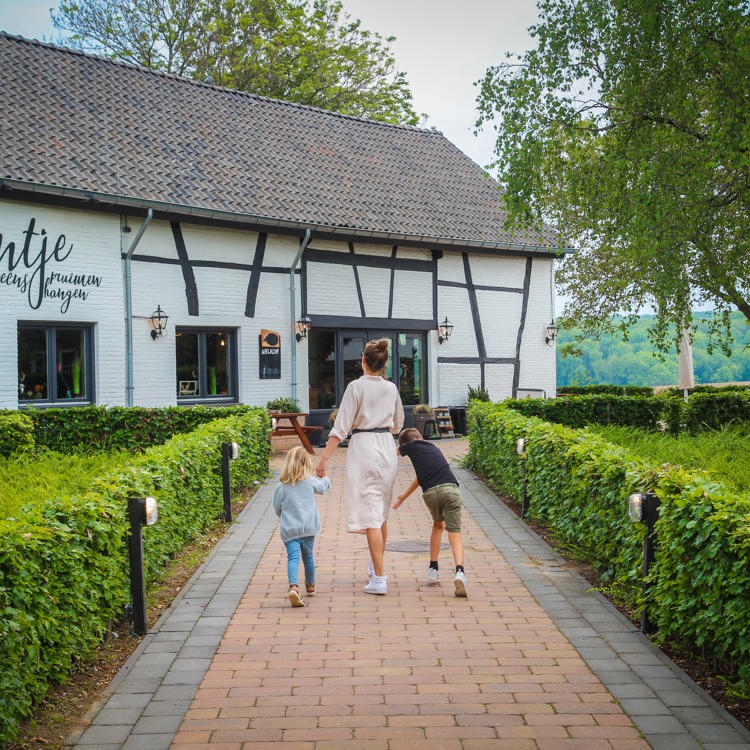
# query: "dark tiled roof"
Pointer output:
{"type": "Point", "coordinates": [81, 122]}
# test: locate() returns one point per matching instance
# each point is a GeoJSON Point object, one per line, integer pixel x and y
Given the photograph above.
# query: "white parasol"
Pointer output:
{"type": "Point", "coordinates": [687, 377]}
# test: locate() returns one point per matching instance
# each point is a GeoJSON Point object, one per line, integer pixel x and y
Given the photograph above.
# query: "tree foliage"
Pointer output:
{"type": "Point", "coordinates": [628, 127]}
{"type": "Point", "coordinates": [609, 359]}
{"type": "Point", "coordinates": [305, 51]}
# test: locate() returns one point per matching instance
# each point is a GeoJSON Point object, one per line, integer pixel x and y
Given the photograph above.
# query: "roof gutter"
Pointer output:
{"type": "Point", "coordinates": [434, 241]}
{"type": "Point", "coordinates": [292, 314]}
{"type": "Point", "coordinates": [129, 305]}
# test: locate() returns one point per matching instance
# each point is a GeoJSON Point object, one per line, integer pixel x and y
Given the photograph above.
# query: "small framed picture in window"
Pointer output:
{"type": "Point", "coordinates": [188, 387]}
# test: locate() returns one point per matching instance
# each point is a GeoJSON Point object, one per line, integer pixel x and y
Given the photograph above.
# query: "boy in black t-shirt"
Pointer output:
{"type": "Point", "coordinates": [441, 496]}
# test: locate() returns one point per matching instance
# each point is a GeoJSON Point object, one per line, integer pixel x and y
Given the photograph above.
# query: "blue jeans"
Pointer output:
{"type": "Point", "coordinates": [295, 548]}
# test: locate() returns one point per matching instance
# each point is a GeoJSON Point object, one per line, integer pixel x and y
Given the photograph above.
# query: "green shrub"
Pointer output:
{"type": "Point", "coordinates": [578, 485]}
{"type": "Point", "coordinates": [713, 411]}
{"type": "Point", "coordinates": [612, 390]}
{"type": "Point", "coordinates": [16, 433]}
{"type": "Point", "coordinates": [93, 429]}
{"type": "Point", "coordinates": [63, 561]}
{"type": "Point", "coordinates": [645, 412]}
{"type": "Point", "coordinates": [283, 404]}
{"type": "Point", "coordinates": [477, 394]}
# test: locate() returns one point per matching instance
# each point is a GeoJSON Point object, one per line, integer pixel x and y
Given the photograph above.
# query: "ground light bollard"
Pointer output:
{"type": "Point", "coordinates": [521, 451]}
{"type": "Point", "coordinates": [644, 508]}
{"type": "Point", "coordinates": [142, 511]}
{"type": "Point", "coordinates": [229, 451]}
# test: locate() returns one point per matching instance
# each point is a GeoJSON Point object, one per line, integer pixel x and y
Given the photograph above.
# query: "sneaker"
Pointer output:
{"type": "Point", "coordinates": [295, 598]}
{"type": "Point", "coordinates": [376, 585]}
{"type": "Point", "coordinates": [370, 570]}
{"type": "Point", "coordinates": [310, 588]}
{"type": "Point", "coordinates": [460, 583]}
{"type": "Point", "coordinates": [433, 575]}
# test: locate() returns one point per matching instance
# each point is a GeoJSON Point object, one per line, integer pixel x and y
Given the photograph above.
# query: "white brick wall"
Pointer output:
{"type": "Point", "coordinates": [96, 244]}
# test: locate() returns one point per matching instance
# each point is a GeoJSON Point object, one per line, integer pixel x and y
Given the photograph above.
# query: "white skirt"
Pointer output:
{"type": "Point", "coordinates": [371, 465]}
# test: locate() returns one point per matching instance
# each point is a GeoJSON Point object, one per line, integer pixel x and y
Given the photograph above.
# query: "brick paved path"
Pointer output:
{"type": "Point", "coordinates": [418, 668]}
{"type": "Point", "coordinates": [531, 660]}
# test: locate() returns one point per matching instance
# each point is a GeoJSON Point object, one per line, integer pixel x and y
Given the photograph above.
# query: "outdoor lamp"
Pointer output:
{"type": "Point", "coordinates": [302, 327]}
{"type": "Point", "coordinates": [521, 446]}
{"type": "Point", "coordinates": [159, 322]}
{"type": "Point", "coordinates": [150, 511]}
{"type": "Point", "coordinates": [551, 333]}
{"type": "Point", "coordinates": [635, 507]}
{"type": "Point", "coordinates": [229, 452]}
{"type": "Point", "coordinates": [445, 329]}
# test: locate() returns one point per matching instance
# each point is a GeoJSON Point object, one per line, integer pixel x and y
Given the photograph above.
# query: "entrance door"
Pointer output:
{"type": "Point", "coordinates": [335, 359]}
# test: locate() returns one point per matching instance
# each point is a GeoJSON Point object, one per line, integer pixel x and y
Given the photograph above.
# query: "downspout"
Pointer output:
{"type": "Point", "coordinates": [292, 314]}
{"type": "Point", "coordinates": [129, 305]}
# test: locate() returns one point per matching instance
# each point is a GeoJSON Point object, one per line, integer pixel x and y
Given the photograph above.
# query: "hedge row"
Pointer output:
{"type": "Point", "coordinates": [578, 485]}
{"type": "Point", "coordinates": [611, 390]}
{"type": "Point", "coordinates": [64, 562]}
{"type": "Point", "coordinates": [102, 428]}
{"type": "Point", "coordinates": [705, 410]}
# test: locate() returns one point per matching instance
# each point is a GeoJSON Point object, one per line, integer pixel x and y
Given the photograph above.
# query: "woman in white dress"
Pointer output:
{"type": "Point", "coordinates": [371, 412]}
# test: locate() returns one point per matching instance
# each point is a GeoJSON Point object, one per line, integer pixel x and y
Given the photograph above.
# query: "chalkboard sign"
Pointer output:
{"type": "Point", "coordinates": [270, 354]}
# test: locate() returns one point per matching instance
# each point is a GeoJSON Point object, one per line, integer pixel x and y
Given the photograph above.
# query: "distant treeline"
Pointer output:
{"type": "Point", "coordinates": [635, 362]}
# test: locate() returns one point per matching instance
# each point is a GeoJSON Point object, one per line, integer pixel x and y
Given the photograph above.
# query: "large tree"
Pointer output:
{"type": "Point", "coordinates": [628, 128]}
{"type": "Point", "coordinates": [305, 51]}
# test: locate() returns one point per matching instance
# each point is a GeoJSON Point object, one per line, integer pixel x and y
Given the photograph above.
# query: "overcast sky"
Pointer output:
{"type": "Point", "coordinates": [443, 47]}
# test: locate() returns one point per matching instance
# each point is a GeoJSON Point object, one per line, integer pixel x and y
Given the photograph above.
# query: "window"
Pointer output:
{"type": "Point", "coordinates": [54, 364]}
{"type": "Point", "coordinates": [206, 364]}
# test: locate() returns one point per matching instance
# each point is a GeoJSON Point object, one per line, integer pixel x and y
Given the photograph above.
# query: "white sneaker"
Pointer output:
{"type": "Point", "coordinates": [460, 583]}
{"type": "Point", "coordinates": [377, 585]}
{"type": "Point", "coordinates": [433, 575]}
{"type": "Point", "coordinates": [370, 570]}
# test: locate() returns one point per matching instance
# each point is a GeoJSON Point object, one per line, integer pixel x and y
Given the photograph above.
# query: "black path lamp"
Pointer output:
{"type": "Point", "coordinates": [551, 332]}
{"type": "Point", "coordinates": [643, 507]}
{"type": "Point", "coordinates": [159, 322]}
{"type": "Point", "coordinates": [142, 511]}
{"type": "Point", "coordinates": [445, 329]}
{"type": "Point", "coordinates": [229, 451]}
{"type": "Point", "coordinates": [302, 328]}
{"type": "Point", "coordinates": [521, 451]}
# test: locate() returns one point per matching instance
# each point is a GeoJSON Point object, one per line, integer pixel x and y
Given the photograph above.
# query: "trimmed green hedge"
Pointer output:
{"type": "Point", "coordinates": [92, 429]}
{"type": "Point", "coordinates": [578, 485]}
{"type": "Point", "coordinates": [712, 411]}
{"type": "Point", "coordinates": [16, 433]}
{"type": "Point", "coordinates": [638, 411]}
{"type": "Point", "coordinates": [64, 562]}
{"type": "Point", "coordinates": [611, 390]}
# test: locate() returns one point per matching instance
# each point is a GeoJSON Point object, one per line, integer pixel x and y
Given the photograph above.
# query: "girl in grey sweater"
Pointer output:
{"type": "Point", "coordinates": [294, 503]}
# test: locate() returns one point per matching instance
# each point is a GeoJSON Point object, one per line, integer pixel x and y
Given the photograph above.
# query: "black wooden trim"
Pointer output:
{"type": "Point", "coordinates": [356, 280]}
{"type": "Point", "coordinates": [478, 360]}
{"type": "Point", "coordinates": [252, 286]}
{"type": "Point", "coordinates": [191, 289]}
{"type": "Point", "coordinates": [209, 264]}
{"type": "Point", "coordinates": [474, 305]}
{"type": "Point", "coordinates": [388, 324]}
{"type": "Point", "coordinates": [394, 250]}
{"type": "Point", "coordinates": [369, 261]}
{"type": "Point", "coordinates": [522, 324]}
{"type": "Point", "coordinates": [483, 287]}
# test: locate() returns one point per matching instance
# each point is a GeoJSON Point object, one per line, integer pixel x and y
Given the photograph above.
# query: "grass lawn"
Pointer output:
{"type": "Point", "coordinates": [724, 454]}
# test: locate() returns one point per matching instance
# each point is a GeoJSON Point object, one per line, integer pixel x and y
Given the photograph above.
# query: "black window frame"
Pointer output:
{"type": "Point", "coordinates": [203, 397]}
{"type": "Point", "coordinates": [50, 329]}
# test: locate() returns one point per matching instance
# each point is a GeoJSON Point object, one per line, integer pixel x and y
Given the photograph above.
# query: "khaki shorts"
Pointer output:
{"type": "Point", "coordinates": [444, 503]}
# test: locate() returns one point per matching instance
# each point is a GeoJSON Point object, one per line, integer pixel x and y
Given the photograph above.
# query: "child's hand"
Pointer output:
{"type": "Point", "coordinates": [398, 502]}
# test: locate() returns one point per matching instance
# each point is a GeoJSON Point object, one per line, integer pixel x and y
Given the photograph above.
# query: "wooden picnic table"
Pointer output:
{"type": "Point", "coordinates": [293, 428]}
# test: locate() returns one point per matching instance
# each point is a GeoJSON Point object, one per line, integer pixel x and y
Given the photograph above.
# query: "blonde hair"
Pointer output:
{"type": "Point", "coordinates": [297, 466]}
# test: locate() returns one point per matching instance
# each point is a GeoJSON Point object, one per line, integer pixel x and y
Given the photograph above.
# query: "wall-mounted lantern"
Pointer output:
{"type": "Point", "coordinates": [159, 322]}
{"type": "Point", "coordinates": [302, 328]}
{"type": "Point", "coordinates": [445, 329]}
{"type": "Point", "coordinates": [551, 332]}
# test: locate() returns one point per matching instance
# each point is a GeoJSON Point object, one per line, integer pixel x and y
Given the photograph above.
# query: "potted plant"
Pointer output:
{"type": "Point", "coordinates": [422, 413]}
{"type": "Point", "coordinates": [283, 404]}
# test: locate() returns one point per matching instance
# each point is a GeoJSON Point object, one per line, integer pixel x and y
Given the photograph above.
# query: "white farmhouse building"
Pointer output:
{"type": "Point", "coordinates": [127, 194]}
